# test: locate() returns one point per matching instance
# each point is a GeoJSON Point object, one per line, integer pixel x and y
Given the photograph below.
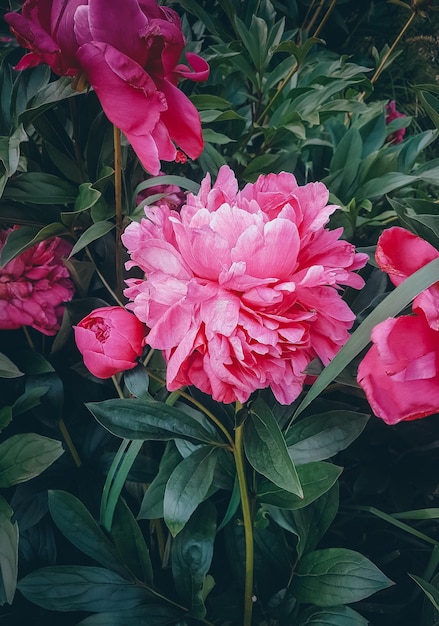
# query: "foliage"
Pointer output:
{"type": "Point", "coordinates": [124, 503]}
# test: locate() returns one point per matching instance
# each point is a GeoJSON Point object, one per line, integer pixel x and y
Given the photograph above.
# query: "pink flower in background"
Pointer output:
{"type": "Point", "coordinates": [34, 286]}
{"type": "Point", "coordinates": [129, 51]}
{"type": "Point", "coordinates": [110, 340]}
{"type": "Point", "coordinates": [393, 114]}
{"type": "Point", "coordinates": [172, 195]}
{"type": "Point", "coordinates": [400, 373]}
{"type": "Point", "coordinates": [241, 288]}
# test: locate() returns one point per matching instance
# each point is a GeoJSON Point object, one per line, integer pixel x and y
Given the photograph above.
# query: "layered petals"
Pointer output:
{"type": "Point", "coordinates": [226, 296]}
{"type": "Point", "coordinates": [400, 373]}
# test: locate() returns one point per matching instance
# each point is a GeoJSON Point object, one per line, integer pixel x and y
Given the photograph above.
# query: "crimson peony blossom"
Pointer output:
{"type": "Point", "coordinates": [242, 286]}
{"type": "Point", "coordinates": [400, 373]}
{"type": "Point", "coordinates": [393, 114]}
{"type": "Point", "coordinates": [129, 52]}
{"type": "Point", "coordinates": [34, 286]}
{"type": "Point", "coordinates": [110, 340]}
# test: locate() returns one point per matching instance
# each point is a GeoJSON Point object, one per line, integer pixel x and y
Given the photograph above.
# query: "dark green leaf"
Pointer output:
{"type": "Point", "coordinates": [87, 197]}
{"type": "Point", "coordinates": [148, 420]}
{"type": "Point", "coordinates": [430, 590]}
{"type": "Point", "coordinates": [152, 503]}
{"type": "Point", "coordinates": [40, 188]}
{"type": "Point", "coordinates": [377, 187]}
{"type": "Point", "coordinates": [76, 523]}
{"type": "Point", "coordinates": [8, 369]}
{"type": "Point", "coordinates": [266, 449]}
{"type": "Point", "coordinates": [318, 437]}
{"type": "Point", "coordinates": [25, 456]}
{"type": "Point", "coordinates": [145, 615]}
{"type": "Point", "coordinates": [137, 381]}
{"type": "Point", "coordinates": [315, 478]}
{"type": "Point", "coordinates": [8, 553]}
{"type": "Point", "coordinates": [91, 234]}
{"type": "Point", "coordinates": [187, 487]}
{"type": "Point", "coordinates": [81, 588]}
{"type": "Point", "coordinates": [27, 236]}
{"type": "Point", "coordinates": [5, 416]}
{"type": "Point", "coordinates": [29, 400]}
{"type": "Point", "coordinates": [334, 576]}
{"type": "Point", "coordinates": [192, 552]}
{"type": "Point", "coordinates": [130, 543]}
{"type": "Point", "coordinates": [331, 616]}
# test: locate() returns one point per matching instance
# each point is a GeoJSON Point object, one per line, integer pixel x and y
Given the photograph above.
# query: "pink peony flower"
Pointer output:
{"type": "Point", "coordinates": [242, 286]}
{"type": "Point", "coordinates": [129, 52]}
{"type": "Point", "coordinates": [173, 195]}
{"type": "Point", "coordinates": [110, 340]}
{"type": "Point", "coordinates": [393, 114]}
{"type": "Point", "coordinates": [400, 253]}
{"type": "Point", "coordinates": [34, 286]}
{"type": "Point", "coordinates": [400, 373]}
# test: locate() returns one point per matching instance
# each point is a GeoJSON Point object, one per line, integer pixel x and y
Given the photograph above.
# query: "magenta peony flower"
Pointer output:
{"type": "Point", "coordinates": [241, 290]}
{"type": "Point", "coordinates": [129, 51]}
{"type": "Point", "coordinates": [34, 286]}
{"type": "Point", "coordinates": [110, 340]}
{"type": "Point", "coordinates": [393, 114]}
{"type": "Point", "coordinates": [400, 373]}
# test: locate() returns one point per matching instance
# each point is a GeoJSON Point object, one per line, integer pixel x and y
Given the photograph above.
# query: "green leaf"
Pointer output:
{"type": "Point", "coordinates": [315, 478]}
{"type": "Point", "coordinates": [5, 417]}
{"type": "Point", "coordinates": [148, 420]}
{"type": "Point", "coordinates": [347, 159]}
{"type": "Point", "coordinates": [137, 381]}
{"type": "Point", "coordinates": [95, 231]}
{"type": "Point", "coordinates": [10, 154]}
{"type": "Point", "coordinates": [187, 487]}
{"type": "Point", "coordinates": [87, 197]}
{"type": "Point", "coordinates": [334, 576]}
{"type": "Point", "coordinates": [8, 553]}
{"type": "Point", "coordinates": [192, 552]}
{"type": "Point", "coordinates": [130, 543]}
{"type": "Point", "coordinates": [27, 236]}
{"type": "Point", "coordinates": [389, 307]}
{"type": "Point", "coordinates": [152, 503]}
{"type": "Point", "coordinates": [25, 456]}
{"type": "Point", "coordinates": [81, 588]}
{"type": "Point", "coordinates": [145, 615]}
{"type": "Point", "coordinates": [40, 188]}
{"type": "Point", "coordinates": [8, 369]}
{"type": "Point", "coordinates": [430, 590]}
{"type": "Point", "coordinates": [331, 616]}
{"type": "Point", "coordinates": [377, 187]}
{"type": "Point", "coordinates": [431, 104]}
{"type": "Point", "coordinates": [266, 449]}
{"type": "Point", "coordinates": [78, 526]}
{"type": "Point", "coordinates": [318, 437]}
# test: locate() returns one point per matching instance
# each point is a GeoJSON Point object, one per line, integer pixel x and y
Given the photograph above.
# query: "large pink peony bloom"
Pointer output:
{"type": "Point", "coordinates": [129, 52]}
{"type": "Point", "coordinates": [400, 373]}
{"type": "Point", "coordinates": [34, 286]}
{"type": "Point", "coordinates": [241, 290]}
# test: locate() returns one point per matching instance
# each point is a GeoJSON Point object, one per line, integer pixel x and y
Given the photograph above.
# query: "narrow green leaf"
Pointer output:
{"type": "Point", "coordinates": [331, 616]}
{"type": "Point", "coordinates": [130, 543]}
{"type": "Point", "coordinates": [8, 553]}
{"type": "Point", "coordinates": [81, 588]}
{"type": "Point", "coordinates": [430, 591]}
{"type": "Point", "coordinates": [389, 307]}
{"type": "Point", "coordinates": [266, 449]}
{"type": "Point", "coordinates": [5, 416]}
{"type": "Point", "coordinates": [149, 420]}
{"type": "Point", "coordinates": [315, 478]}
{"type": "Point", "coordinates": [78, 526]}
{"type": "Point", "coordinates": [27, 236]}
{"type": "Point", "coordinates": [187, 487]}
{"type": "Point", "coordinates": [334, 576]}
{"type": "Point", "coordinates": [318, 437]}
{"type": "Point", "coordinates": [91, 234]}
{"type": "Point", "coordinates": [152, 503]}
{"type": "Point", "coordinates": [192, 552]}
{"type": "Point", "coordinates": [25, 456]}
{"type": "Point", "coordinates": [28, 400]}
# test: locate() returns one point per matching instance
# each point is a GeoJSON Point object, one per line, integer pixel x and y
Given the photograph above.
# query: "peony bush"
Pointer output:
{"type": "Point", "coordinates": [219, 313]}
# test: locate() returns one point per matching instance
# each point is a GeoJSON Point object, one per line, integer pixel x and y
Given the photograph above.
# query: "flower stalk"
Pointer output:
{"type": "Point", "coordinates": [238, 453]}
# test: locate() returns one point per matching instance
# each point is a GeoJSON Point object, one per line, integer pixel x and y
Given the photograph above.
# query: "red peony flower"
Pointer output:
{"type": "Point", "coordinates": [400, 373]}
{"type": "Point", "coordinates": [242, 286]}
{"type": "Point", "coordinates": [34, 286]}
{"type": "Point", "coordinates": [110, 340]}
{"type": "Point", "coordinates": [393, 114]}
{"type": "Point", "coordinates": [129, 52]}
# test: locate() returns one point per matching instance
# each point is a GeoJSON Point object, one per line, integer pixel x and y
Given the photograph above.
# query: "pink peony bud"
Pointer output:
{"type": "Point", "coordinates": [110, 339]}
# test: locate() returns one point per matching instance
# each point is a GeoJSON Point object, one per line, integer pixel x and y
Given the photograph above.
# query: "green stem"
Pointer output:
{"type": "Point", "coordinates": [324, 19]}
{"type": "Point", "coordinates": [238, 452]}
{"type": "Point", "coordinates": [392, 48]}
{"type": "Point", "coordinates": [103, 279]}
